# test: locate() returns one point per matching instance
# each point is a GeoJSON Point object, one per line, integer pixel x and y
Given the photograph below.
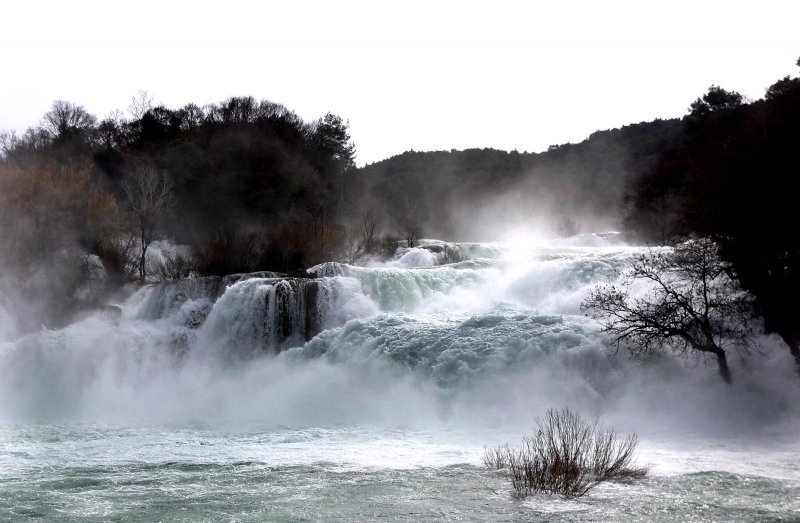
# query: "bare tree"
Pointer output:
{"type": "Point", "coordinates": [191, 117]}
{"type": "Point", "coordinates": [66, 119]}
{"type": "Point", "coordinates": [149, 193]}
{"type": "Point", "coordinates": [352, 250]}
{"type": "Point", "coordinates": [140, 103]}
{"type": "Point", "coordinates": [8, 142]}
{"type": "Point", "coordinates": [367, 230]}
{"type": "Point", "coordinates": [566, 455]}
{"type": "Point", "coordinates": [692, 304]}
{"type": "Point", "coordinates": [410, 223]}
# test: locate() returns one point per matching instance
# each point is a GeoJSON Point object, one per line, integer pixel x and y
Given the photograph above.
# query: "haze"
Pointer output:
{"type": "Point", "coordinates": [408, 75]}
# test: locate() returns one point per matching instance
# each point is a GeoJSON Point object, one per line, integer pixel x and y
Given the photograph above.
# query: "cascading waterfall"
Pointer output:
{"type": "Point", "coordinates": [418, 361]}
{"type": "Point", "coordinates": [163, 299]}
{"type": "Point", "coordinates": [508, 312]}
{"type": "Point", "coordinates": [260, 314]}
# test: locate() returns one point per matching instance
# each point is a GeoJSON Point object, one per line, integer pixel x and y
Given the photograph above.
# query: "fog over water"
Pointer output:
{"type": "Point", "coordinates": [412, 366]}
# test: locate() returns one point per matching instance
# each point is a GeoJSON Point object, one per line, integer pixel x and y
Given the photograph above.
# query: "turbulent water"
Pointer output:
{"type": "Point", "coordinates": [367, 393]}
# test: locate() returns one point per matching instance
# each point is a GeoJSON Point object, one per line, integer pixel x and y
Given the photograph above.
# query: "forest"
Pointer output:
{"type": "Point", "coordinates": [731, 176]}
{"type": "Point", "coordinates": [246, 185]}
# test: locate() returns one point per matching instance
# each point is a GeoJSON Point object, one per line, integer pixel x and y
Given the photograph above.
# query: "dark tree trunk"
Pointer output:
{"type": "Point", "coordinates": [724, 371]}
{"type": "Point", "coordinates": [722, 361]}
{"type": "Point", "coordinates": [793, 342]}
{"type": "Point", "coordinates": [142, 261]}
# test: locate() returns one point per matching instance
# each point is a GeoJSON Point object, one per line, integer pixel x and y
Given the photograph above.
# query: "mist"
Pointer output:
{"type": "Point", "coordinates": [397, 347]}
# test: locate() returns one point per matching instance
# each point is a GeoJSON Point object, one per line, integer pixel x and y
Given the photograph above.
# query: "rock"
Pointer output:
{"type": "Point", "coordinates": [111, 314]}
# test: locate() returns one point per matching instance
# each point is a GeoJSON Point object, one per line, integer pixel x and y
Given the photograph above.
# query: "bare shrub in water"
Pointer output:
{"type": "Point", "coordinates": [566, 455]}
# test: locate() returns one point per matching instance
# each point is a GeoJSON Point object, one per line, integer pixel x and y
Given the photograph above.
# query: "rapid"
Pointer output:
{"type": "Point", "coordinates": [369, 392]}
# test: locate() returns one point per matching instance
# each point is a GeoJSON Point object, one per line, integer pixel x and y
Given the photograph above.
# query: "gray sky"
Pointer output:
{"type": "Point", "coordinates": [420, 75]}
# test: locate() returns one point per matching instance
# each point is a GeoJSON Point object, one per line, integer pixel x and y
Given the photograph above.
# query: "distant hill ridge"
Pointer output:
{"type": "Point", "coordinates": [456, 194]}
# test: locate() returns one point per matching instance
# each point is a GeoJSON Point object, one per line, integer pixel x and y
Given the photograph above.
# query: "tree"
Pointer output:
{"type": "Point", "coordinates": [111, 133]}
{"type": "Point", "coordinates": [691, 304]}
{"type": "Point", "coordinates": [51, 207]}
{"type": "Point", "coordinates": [335, 150]}
{"type": "Point", "coordinates": [66, 120]}
{"type": "Point", "coordinates": [191, 117]}
{"type": "Point", "coordinates": [367, 232]}
{"type": "Point", "coordinates": [783, 87]}
{"type": "Point", "coordinates": [332, 136]}
{"type": "Point", "coordinates": [410, 222]}
{"type": "Point", "coordinates": [139, 104]}
{"type": "Point", "coordinates": [715, 99]}
{"type": "Point", "coordinates": [53, 215]}
{"type": "Point", "coordinates": [149, 193]}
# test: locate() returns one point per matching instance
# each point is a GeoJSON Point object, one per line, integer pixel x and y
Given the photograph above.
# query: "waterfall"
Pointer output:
{"type": "Point", "coordinates": [501, 326]}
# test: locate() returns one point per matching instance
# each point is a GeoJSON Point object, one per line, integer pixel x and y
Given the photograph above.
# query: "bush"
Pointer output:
{"type": "Point", "coordinates": [171, 266]}
{"type": "Point", "coordinates": [566, 455]}
{"type": "Point", "coordinates": [228, 252]}
{"type": "Point", "coordinates": [387, 246]}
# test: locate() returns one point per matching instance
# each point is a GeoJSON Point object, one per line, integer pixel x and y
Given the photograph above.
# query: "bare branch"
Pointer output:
{"type": "Point", "coordinates": [692, 304]}
{"type": "Point", "coordinates": [149, 194]}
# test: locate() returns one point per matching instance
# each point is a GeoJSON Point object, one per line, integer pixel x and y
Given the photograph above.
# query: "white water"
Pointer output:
{"type": "Point", "coordinates": [183, 409]}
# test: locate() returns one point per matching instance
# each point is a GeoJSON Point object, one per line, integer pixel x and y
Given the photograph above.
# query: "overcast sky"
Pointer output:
{"type": "Point", "coordinates": [420, 75]}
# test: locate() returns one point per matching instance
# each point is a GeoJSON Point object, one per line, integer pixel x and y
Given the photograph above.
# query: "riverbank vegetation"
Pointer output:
{"type": "Point", "coordinates": [731, 177]}
{"type": "Point", "coordinates": [566, 455]}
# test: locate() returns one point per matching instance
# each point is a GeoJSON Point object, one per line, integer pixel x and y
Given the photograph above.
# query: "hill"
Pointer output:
{"type": "Point", "coordinates": [476, 193]}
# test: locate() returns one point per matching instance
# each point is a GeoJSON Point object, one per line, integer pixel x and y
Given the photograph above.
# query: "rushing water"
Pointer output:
{"type": "Point", "coordinates": [368, 393]}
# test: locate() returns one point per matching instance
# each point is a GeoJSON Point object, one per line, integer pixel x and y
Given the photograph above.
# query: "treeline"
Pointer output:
{"type": "Point", "coordinates": [732, 175]}
{"type": "Point", "coordinates": [246, 184]}
{"type": "Point", "coordinates": [475, 193]}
